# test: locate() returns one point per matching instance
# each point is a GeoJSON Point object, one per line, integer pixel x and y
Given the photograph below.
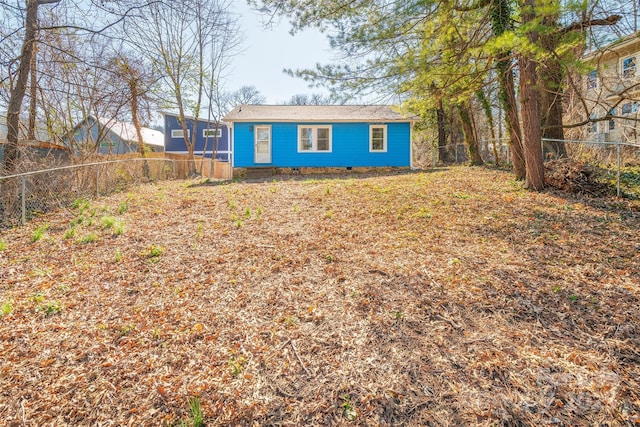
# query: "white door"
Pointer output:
{"type": "Point", "coordinates": [262, 146]}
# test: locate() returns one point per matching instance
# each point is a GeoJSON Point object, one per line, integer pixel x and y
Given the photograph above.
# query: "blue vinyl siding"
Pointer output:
{"type": "Point", "coordinates": [178, 145]}
{"type": "Point", "coordinates": [349, 147]}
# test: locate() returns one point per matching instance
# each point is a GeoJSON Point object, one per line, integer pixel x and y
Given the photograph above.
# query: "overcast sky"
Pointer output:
{"type": "Point", "coordinates": [267, 51]}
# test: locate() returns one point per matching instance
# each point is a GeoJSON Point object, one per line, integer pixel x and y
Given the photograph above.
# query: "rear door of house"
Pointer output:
{"type": "Point", "coordinates": [262, 144]}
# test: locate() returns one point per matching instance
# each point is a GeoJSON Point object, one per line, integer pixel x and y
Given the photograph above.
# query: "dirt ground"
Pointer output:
{"type": "Point", "coordinates": [438, 298]}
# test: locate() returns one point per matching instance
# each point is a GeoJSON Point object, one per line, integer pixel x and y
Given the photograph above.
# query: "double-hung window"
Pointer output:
{"type": "Point", "coordinates": [313, 139]}
{"type": "Point", "coordinates": [378, 138]}
{"type": "Point", "coordinates": [212, 133]}
{"type": "Point", "coordinates": [179, 133]}
{"type": "Point", "coordinates": [629, 67]}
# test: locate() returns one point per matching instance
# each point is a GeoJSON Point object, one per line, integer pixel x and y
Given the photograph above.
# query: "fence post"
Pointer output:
{"type": "Point", "coordinates": [23, 201]}
{"type": "Point", "coordinates": [435, 153]}
{"type": "Point", "coordinates": [618, 161]}
{"type": "Point", "coordinates": [97, 183]}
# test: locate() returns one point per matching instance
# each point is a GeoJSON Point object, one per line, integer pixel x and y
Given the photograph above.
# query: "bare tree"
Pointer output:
{"type": "Point", "coordinates": [314, 99]}
{"type": "Point", "coordinates": [243, 96]}
{"type": "Point", "coordinates": [185, 42]}
{"type": "Point", "coordinates": [19, 87]}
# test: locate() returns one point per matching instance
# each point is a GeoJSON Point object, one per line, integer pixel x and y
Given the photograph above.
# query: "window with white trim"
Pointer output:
{"type": "Point", "coordinates": [179, 133]}
{"type": "Point", "coordinates": [592, 80]}
{"type": "Point", "coordinates": [313, 139]}
{"type": "Point", "coordinates": [212, 133]}
{"type": "Point", "coordinates": [378, 138]}
{"type": "Point", "coordinates": [629, 67]}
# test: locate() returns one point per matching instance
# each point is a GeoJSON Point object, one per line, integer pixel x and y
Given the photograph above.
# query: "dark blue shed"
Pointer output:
{"type": "Point", "coordinates": [211, 137]}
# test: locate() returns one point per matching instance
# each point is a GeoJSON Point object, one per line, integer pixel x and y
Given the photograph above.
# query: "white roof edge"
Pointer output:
{"type": "Point", "coordinates": [371, 120]}
{"type": "Point", "coordinates": [168, 113]}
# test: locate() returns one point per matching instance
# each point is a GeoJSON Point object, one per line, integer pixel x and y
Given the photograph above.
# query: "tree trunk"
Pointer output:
{"type": "Point", "coordinates": [470, 138]}
{"type": "Point", "coordinates": [486, 107]}
{"type": "Point", "coordinates": [501, 21]}
{"type": "Point", "coordinates": [531, 125]}
{"type": "Point", "coordinates": [550, 80]}
{"type": "Point", "coordinates": [512, 121]}
{"type": "Point", "coordinates": [443, 152]}
{"type": "Point", "coordinates": [133, 88]}
{"type": "Point", "coordinates": [33, 100]}
{"type": "Point", "coordinates": [18, 91]}
{"type": "Point", "coordinates": [530, 109]}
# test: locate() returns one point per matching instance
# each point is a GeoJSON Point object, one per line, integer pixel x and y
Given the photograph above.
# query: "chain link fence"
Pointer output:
{"type": "Point", "coordinates": [611, 155]}
{"type": "Point", "coordinates": [25, 195]}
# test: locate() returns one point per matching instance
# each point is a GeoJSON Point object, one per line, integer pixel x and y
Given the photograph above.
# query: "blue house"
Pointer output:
{"type": "Point", "coordinates": [308, 136]}
{"type": "Point", "coordinates": [110, 136]}
{"type": "Point", "coordinates": [211, 137]}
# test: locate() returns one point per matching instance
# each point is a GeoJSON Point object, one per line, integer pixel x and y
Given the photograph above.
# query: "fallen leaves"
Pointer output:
{"type": "Point", "coordinates": [443, 297]}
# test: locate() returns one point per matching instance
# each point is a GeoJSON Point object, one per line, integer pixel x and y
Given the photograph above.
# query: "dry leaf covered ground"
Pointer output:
{"type": "Point", "coordinates": [450, 297]}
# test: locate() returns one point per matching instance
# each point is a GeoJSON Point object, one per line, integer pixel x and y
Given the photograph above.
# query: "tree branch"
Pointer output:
{"type": "Point", "coordinates": [610, 20]}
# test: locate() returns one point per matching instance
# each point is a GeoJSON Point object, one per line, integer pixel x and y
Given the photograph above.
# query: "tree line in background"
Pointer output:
{"type": "Point", "coordinates": [62, 61]}
{"type": "Point", "coordinates": [448, 60]}
{"type": "Point", "coordinates": [454, 63]}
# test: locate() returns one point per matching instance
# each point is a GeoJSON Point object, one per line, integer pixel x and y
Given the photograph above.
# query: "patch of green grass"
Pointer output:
{"type": "Point", "coordinates": [51, 308]}
{"type": "Point", "coordinates": [423, 212]}
{"type": "Point", "coordinates": [118, 256]}
{"type": "Point", "coordinates": [89, 238]}
{"type": "Point", "coordinates": [195, 411]}
{"type": "Point", "coordinates": [296, 209]}
{"type": "Point", "coordinates": [38, 233]}
{"type": "Point", "coordinates": [459, 195]}
{"type": "Point", "coordinates": [126, 329]}
{"type": "Point", "coordinates": [70, 233]}
{"type": "Point", "coordinates": [247, 213]}
{"type": "Point", "coordinates": [123, 208]}
{"type": "Point", "coordinates": [200, 229]}
{"type": "Point", "coordinates": [153, 253]}
{"type": "Point", "coordinates": [6, 308]}
{"type": "Point", "coordinates": [3, 245]}
{"type": "Point", "coordinates": [108, 221]}
{"type": "Point", "coordinates": [348, 409]}
{"type": "Point", "coordinates": [81, 204]}
{"type": "Point", "coordinates": [118, 228]}
{"type": "Point", "coordinates": [237, 365]}
{"type": "Point", "coordinates": [397, 315]}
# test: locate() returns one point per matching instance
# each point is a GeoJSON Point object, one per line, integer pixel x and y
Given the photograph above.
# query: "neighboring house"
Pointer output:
{"type": "Point", "coordinates": [291, 136]}
{"type": "Point", "coordinates": [109, 136]}
{"type": "Point", "coordinates": [613, 91]}
{"type": "Point", "coordinates": [211, 137]}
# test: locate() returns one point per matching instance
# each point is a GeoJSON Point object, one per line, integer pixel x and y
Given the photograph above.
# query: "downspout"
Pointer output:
{"type": "Point", "coordinates": [232, 145]}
